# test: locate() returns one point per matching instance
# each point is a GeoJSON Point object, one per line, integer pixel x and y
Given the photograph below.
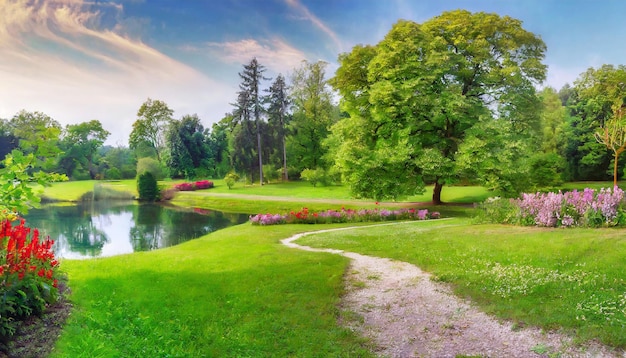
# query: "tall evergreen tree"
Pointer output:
{"type": "Point", "coordinates": [278, 103]}
{"type": "Point", "coordinates": [251, 78]}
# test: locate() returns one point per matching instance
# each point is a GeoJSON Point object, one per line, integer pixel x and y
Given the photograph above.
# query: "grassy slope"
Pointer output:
{"type": "Point", "coordinates": [236, 292]}
{"type": "Point", "coordinates": [587, 263]}
{"type": "Point", "coordinates": [550, 278]}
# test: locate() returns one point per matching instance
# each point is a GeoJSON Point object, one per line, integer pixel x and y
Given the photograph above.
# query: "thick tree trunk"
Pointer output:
{"type": "Point", "coordinates": [437, 193]}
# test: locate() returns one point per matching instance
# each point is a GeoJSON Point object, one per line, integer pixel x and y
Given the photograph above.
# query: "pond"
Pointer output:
{"type": "Point", "coordinates": [108, 228]}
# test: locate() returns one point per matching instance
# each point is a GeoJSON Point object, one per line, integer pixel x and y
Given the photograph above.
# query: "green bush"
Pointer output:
{"type": "Point", "coordinates": [270, 173]}
{"type": "Point", "coordinates": [546, 170]}
{"type": "Point", "coordinates": [151, 165]}
{"type": "Point", "coordinates": [114, 174]}
{"type": "Point", "coordinates": [317, 176]}
{"type": "Point", "coordinates": [230, 179]}
{"type": "Point", "coordinates": [147, 187]}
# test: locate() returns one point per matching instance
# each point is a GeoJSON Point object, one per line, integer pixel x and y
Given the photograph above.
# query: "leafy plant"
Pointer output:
{"type": "Point", "coordinates": [230, 179]}
{"type": "Point", "coordinates": [29, 275]}
{"type": "Point", "coordinates": [315, 176]}
{"type": "Point", "coordinates": [587, 208]}
{"type": "Point", "coordinates": [16, 193]}
{"type": "Point", "coordinates": [147, 187]}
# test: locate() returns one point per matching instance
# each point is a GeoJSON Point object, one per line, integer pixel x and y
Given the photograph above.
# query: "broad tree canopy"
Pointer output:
{"type": "Point", "coordinates": [413, 98]}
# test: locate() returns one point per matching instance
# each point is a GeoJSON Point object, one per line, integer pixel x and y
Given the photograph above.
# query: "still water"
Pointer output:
{"type": "Point", "coordinates": [107, 228]}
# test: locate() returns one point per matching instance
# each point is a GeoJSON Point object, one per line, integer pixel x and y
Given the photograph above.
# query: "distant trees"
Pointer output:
{"type": "Point", "coordinates": [153, 118]}
{"type": "Point", "coordinates": [39, 134]}
{"type": "Point", "coordinates": [313, 115]}
{"type": "Point", "coordinates": [188, 147]}
{"type": "Point", "coordinates": [80, 144]}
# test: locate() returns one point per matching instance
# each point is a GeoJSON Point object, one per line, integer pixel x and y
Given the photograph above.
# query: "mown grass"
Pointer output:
{"type": "Point", "coordinates": [570, 279]}
{"type": "Point", "coordinates": [236, 292]}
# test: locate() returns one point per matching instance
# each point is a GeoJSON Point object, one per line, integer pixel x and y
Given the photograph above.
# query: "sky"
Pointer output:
{"type": "Point", "coordinates": [78, 60]}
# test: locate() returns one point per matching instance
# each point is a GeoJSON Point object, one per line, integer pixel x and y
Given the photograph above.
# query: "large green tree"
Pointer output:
{"type": "Point", "coordinates": [81, 143]}
{"type": "Point", "coordinates": [38, 134]}
{"type": "Point", "coordinates": [313, 115]}
{"type": "Point", "coordinates": [149, 129]}
{"type": "Point", "coordinates": [278, 116]}
{"type": "Point", "coordinates": [597, 95]}
{"type": "Point", "coordinates": [250, 104]}
{"type": "Point", "coordinates": [413, 98]}
{"type": "Point", "coordinates": [187, 145]}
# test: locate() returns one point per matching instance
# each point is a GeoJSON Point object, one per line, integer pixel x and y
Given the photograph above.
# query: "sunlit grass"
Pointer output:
{"type": "Point", "coordinates": [551, 278]}
{"type": "Point", "coordinates": [236, 292]}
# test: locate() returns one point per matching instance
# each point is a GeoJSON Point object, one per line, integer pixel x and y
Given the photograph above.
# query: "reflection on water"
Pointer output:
{"type": "Point", "coordinates": [105, 228]}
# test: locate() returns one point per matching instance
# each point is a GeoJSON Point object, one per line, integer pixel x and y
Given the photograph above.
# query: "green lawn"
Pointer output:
{"type": "Point", "coordinates": [550, 278]}
{"type": "Point", "coordinates": [237, 292]}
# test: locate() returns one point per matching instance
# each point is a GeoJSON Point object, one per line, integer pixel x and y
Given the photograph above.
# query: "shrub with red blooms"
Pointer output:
{"type": "Point", "coordinates": [28, 275]}
{"type": "Point", "coordinates": [304, 216]}
{"type": "Point", "coordinates": [201, 184]}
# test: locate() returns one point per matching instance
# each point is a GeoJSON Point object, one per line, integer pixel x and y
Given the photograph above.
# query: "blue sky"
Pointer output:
{"type": "Point", "coordinates": [78, 60]}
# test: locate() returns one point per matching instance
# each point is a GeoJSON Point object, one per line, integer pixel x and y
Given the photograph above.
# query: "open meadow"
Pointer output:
{"type": "Point", "coordinates": [239, 292]}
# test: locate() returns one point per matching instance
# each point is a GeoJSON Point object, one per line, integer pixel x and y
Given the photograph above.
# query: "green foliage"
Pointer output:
{"type": "Point", "coordinates": [38, 134]}
{"type": "Point", "coordinates": [496, 210]}
{"type": "Point", "coordinates": [152, 166]}
{"type": "Point", "coordinates": [28, 275]}
{"type": "Point", "coordinates": [597, 95]}
{"type": "Point", "coordinates": [81, 143]}
{"type": "Point", "coordinates": [313, 115]}
{"type": "Point", "coordinates": [546, 170]}
{"type": "Point", "coordinates": [313, 176]}
{"type": "Point", "coordinates": [153, 118]}
{"type": "Point", "coordinates": [113, 174]}
{"type": "Point", "coordinates": [270, 173]}
{"type": "Point", "coordinates": [16, 191]}
{"type": "Point", "coordinates": [414, 98]}
{"type": "Point", "coordinates": [316, 176]}
{"type": "Point", "coordinates": [147, 187]}
{"type": "Point", "coordinates": [230, 179]}
{"type": "Point", "coordinates": [188, 149]}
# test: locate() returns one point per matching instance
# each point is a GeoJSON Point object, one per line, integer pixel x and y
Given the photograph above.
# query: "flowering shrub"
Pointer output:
{"type": "Point", "coordinates": [341, 216]}
{"type": "Point", "coordinates": [201, 184]}
{"type": "Point", "coordinates": [28, 272]}
{"type": "Point", "coordinates": [588, 208]}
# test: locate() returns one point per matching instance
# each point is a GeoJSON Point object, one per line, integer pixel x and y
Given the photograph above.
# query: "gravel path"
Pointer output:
{"type": "Point", "coordinates": [405, 314]}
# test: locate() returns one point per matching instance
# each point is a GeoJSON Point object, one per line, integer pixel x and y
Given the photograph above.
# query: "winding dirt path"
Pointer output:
{"type": "Point", "coordinates": [398, 307]}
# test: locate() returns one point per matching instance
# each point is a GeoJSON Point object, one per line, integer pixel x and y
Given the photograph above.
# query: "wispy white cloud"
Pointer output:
{"type": "Point", "coordinates": [306, 14]}
{"type": "Point", "coordinates": [275, 54]}
{"type": "Point", "coordinates": [57, 55]}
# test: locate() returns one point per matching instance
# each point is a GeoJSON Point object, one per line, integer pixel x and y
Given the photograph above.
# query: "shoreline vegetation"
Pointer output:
{"type": "Point", "coordinates": [555, 279]}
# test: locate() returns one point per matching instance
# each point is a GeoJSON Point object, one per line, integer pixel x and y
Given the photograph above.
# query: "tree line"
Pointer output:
{"type": "Point", "coordinates": [451, 100]}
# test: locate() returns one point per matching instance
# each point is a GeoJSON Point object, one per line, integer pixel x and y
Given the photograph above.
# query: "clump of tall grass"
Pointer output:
{"type": "Point", "coordinates": [103, 192]}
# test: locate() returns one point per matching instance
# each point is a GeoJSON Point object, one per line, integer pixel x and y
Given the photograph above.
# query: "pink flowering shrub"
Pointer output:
{"type": "Point", "coordinates": [201, 184]}
{"type": "Point", "coordinates": [341, 216]}
{"type": "Point", "coordinates": [587, 208]}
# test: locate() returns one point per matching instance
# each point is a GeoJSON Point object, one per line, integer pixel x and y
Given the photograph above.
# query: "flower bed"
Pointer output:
{"type": "Point", "coordinates": [188, 186]}
{"type": "Point", "coordinates": [587, 208]}
{"type": "Point", "coordinates": [28, 272]}
{"type": "Point", "coordinates": [342, 216]}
